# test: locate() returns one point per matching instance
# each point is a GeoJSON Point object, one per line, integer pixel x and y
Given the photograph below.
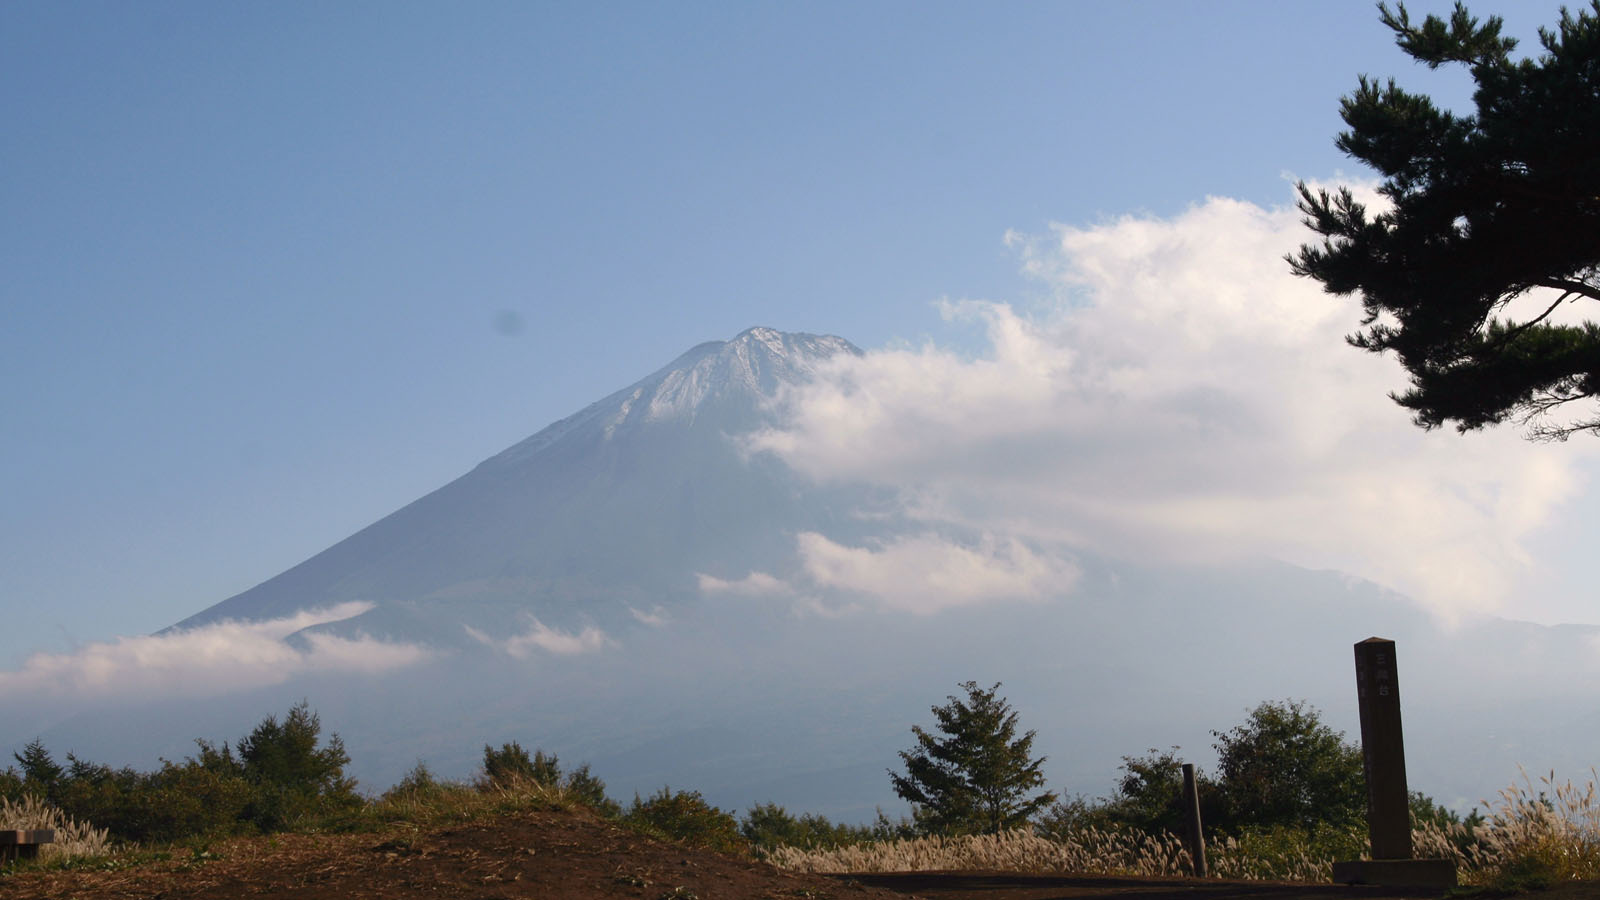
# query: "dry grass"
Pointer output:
{"type": "Point", "coordinates": [1088, 850]}
{"type": "Point", "coordinates": [448, 801]}
{"type": "Point", "coordinates": [1084, 851]}
{"type": "Point", "coordinates": [1536, 833]}
{"type": "Point", "coordinates": [72, 838]}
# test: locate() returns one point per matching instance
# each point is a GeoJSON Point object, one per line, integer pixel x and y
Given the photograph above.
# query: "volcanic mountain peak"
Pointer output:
{"type": "Point", "coordinates": [730, 379]}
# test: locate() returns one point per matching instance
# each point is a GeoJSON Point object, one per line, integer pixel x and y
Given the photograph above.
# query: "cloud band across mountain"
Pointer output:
{"type": "Point", "coordinates": [209, 660]}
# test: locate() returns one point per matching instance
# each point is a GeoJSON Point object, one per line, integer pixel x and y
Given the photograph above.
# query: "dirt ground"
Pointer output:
{"type": "Point", "coordinates": [577, 856]}
{"type": "Point", "coordinates": [536, 854]}
{"type": "Point", "coordinates": [1006, 886]}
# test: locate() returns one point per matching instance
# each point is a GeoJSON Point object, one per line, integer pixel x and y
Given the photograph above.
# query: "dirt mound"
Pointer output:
{"type": "Point", "coordinates": [573, 855]}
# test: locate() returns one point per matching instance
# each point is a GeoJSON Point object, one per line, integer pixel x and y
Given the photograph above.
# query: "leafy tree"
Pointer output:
{"type": "Point", "coordinates": [1284, 767]}
{"type": "Point", "coordinates": [1148, 797]}
{"type": "Point", "coordinates": [1481, 210]}
{"type": "Point", "coordinates": [977, 777]}
{"type": "Point", "coordinates": [1149, 794]}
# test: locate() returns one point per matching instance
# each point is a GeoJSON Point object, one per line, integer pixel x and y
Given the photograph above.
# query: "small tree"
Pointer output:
{"type": "Point", "coordinates": [1284, 767]}
{"type": "Point", "coordinates": [977, 777]}
{"type": "Point", "coordinates": [511, 764]}
{"type": "Point", "coordinates": [290, 774]}
{"type": "Point", "coordinates": [285, 754]}
{"type": "Point", "coordinates": [40, 773]}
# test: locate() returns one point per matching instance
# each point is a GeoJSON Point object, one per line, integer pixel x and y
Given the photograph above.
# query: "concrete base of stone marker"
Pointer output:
{"type": "Point", "coordinates": [1427, 873]}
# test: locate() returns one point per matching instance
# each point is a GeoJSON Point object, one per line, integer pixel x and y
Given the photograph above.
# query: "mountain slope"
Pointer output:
{"type": "Point", "coordinates": [607, 512]}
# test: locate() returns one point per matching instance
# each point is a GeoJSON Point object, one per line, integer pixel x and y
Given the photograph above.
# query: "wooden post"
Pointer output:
{"type": "Point", "coordinates": [1191, 821]}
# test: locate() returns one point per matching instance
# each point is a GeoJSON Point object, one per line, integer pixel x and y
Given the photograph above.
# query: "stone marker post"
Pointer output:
{"type": "Point", "coordinates": [1383, 754]}
{"type": "Point", "coordinates": [1383, 750]}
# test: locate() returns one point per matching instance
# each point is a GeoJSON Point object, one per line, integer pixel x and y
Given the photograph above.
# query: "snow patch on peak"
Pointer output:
{"type": "Point", "coordinates": [746, 372]}
{"type": "Point", "coordinates": [753, 365]}
{"type": "Point", "coordinates": [767, 337]}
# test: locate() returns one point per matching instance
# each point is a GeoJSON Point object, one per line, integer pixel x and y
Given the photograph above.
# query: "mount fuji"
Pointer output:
{"type": "Point", "coordinates": [628, 587]}
{"type": "Point", "coordinates": [600, 520]}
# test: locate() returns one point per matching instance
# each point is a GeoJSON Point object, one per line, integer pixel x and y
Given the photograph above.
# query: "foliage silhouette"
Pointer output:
{"type": "Point", "coordinates": [1482, 209]}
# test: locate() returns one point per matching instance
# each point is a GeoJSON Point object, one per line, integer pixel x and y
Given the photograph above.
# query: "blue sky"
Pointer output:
{"type": "Point", "coordinates": [272, 271]}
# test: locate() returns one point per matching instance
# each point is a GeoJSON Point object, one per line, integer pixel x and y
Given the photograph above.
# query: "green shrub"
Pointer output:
{"type": "Point", "coordinates": [685, 816]}
{"type": "Point", "coordinates": [511, 764]}
{"type": "Point", "coordinates": [1066, 817]}
{"type": "Point", "coordinates": [768, 826]}
{"type": "Point", "coordinates": [11, 784]}
{"type": "Point", "coordinates": [510, 767]}
{"type": "Point", "coordinates": [279, 778]}
{"type": "Point", "coordinates": [583, 787]}
{"type": "Point", "coordinates": [1287, 851]}
{"type": "Point", "coordinates": [419, 782]}
{"type": "Point", "coordinates": [177, 801]}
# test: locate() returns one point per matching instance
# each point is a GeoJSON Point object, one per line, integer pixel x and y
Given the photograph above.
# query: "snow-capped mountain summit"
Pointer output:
{"type": "Point", "coordinates": [602, 514]}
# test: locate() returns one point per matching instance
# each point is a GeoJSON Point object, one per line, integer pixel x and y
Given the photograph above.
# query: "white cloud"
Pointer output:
{"type": "Point", "coordinates": [541, 637]}
{"type": "Point", "coordinates": [920, 573]}
{"type": "Point", "coordinates": [925, 574]}
{"type": "Point", "coordinates": [208, 660]}
{"type": "Point", "coordinates": [1185, 397]}
{"type": "Point", "coordinates": [756, 584]}
{"type": "Point", "coordinates": [655, 618]}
